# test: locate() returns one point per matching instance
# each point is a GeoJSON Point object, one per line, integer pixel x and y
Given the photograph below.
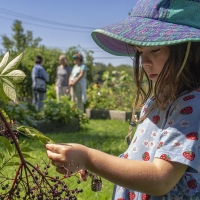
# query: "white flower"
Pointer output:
{"type": "Point", "coordinates": [146, 143]}
{"type": "Point", "coordinates": [135, 149]}
{"type": "Point", "coordinates": [170, 122]}
{"type": "Point", "coordinates": [165, 132]}
{"type": "Point", "coordinates": [142, 131]}
{"type": "Point", "coordinates": [153, 134]}
{"type": "Point", "coordinates": [151, 144]}
{"type": "Point", "coordinates": [177, 143]}
{"type": "Point", "coordinates": [184, 123]}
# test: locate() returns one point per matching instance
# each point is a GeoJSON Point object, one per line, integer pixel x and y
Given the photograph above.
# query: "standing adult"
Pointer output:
{"type": "Point", "coordinates": [62, 78]}
{"type": "Point", "coordinates": [38, 71]}
{"type": "Point", "coordinates": [78, 81]}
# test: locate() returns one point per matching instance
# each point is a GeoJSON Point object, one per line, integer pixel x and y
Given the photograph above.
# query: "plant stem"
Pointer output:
{"type": "Point", "coordinates": [13, 138]}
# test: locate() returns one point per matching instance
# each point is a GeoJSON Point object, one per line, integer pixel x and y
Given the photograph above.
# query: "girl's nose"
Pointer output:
{"type": "Point", "coordinates": [146, 61]}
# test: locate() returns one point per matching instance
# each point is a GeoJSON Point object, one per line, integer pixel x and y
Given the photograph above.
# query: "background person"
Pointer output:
{"type": "Point", "coordinates": [162, 161]}
{"type": "Point", "coordinates": [78, 81]}
{"type": "Point", "coordinates": [38, 71]}
{"type": "Point", "coordinates": [62, 78]}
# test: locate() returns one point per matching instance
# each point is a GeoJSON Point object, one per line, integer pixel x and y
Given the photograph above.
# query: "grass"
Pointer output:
{"type": "Point", "coordinates": [105, 135]}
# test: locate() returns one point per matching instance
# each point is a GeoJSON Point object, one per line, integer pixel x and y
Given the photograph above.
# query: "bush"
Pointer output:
{"type": "Point", "coordinates": [23, 113]}
{"type": "Point", "coordinates": [62, 111]}
{"type": "Point", "coordinates": [116, 92]}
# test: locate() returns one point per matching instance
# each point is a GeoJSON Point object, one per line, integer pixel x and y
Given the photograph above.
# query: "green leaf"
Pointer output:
{"type": "Point", "coordinates": [4, 61]}
{"type": "Point", "coordinates": [34, 133]}
{"type": "Point", "coordinates": [25, 155]}
{"type": "Point", "coordinates": [12, 164]}
{"type": "Point", "coordinates": [3, 96]}
{"type": "Point", "coordinates": [7, 144]}
{"type": "Point", "coordinates": [12, 65]}
{"type": "Point", "coordinates": [9, 89]}
{"type": "Point", "coordinates": [2, 157]}
{"type": "Point", "coordinates": [26, 149]}
{"type": "Point", "coordinates": [16, 75]}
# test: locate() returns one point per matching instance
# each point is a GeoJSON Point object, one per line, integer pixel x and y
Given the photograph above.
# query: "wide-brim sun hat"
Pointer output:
{"type": "Point", "coordinates": [152, 23]}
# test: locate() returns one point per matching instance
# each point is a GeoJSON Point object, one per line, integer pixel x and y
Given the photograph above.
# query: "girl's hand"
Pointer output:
{"type": "Point", "coordinates": [67, 158]}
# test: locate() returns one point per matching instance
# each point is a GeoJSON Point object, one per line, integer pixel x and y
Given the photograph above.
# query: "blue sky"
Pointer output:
{"type": "Point", "coordinates": [53, 21]}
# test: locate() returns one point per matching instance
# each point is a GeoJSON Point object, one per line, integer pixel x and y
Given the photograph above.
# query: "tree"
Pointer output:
{"type": "Point", "coordinates": [20, 40]}
{"type": "Point", "coordinates": [25, 42]}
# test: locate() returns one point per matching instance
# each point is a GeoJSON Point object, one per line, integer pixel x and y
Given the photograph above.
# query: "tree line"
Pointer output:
{"type": "Point", "coordinates": [22, 41]}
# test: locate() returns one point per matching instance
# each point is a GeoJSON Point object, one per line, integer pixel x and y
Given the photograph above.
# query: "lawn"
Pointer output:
{"type": "Point", "coordinates": [105, 135]}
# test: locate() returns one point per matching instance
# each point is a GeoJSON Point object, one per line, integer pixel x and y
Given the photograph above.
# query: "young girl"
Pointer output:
{"type": "Point", "coordinates": [163, 158]}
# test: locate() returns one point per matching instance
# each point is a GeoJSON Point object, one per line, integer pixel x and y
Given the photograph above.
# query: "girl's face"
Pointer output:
{"type": "Point", "coordinates": [153, 60]}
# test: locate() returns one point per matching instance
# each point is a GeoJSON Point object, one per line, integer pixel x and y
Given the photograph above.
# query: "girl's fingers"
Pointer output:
{"type": "Point", "coordinates": [54, 156]}
{"type": "Point", "coordinates": [53, 147]}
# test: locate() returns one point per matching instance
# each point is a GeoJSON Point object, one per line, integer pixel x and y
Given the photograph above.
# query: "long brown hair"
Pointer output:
{"type": "Point", "coordinates": [169, 87]}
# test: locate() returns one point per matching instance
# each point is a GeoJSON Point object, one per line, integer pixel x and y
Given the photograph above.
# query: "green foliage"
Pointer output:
{"type": "Point", "coordinates": [28, 180]}
{"type": "Point", "coordinates": [33, 133]}
{"type": "Point", "coordinates": [20, 40]}
{"type": "Point", "coordinates": [24, 41]}
{"type": "Point", "coordinates": [9, 76]}
{"type": "Point", "coordinates": [99, 68]}
{"type": "Point", "coordinates": [22, 113]}
{"type": "Point", "coordinates": [116, 93]}
{"type": "Point", "coordinates": [62, 111]}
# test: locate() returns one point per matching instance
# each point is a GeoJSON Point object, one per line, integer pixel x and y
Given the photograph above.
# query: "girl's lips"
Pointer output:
{"type": "Point", "coordinates": [152, 76]}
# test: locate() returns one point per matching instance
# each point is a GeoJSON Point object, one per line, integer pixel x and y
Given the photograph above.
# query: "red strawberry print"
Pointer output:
{"type": "Point", "coordinates": [192, 184]}
{"type": "Point", "coordinates": [126, 155]}
{"type": "Point", "coordinates": [156, 119]}
{"type": "Point", "coordinates": [135, 140]}
{"type": "Point", "coordinates": [165, 157]}
{"type": "Point", "coordinates": [131, 195]}
{"type": "Point", "coordinates": [192, 136]}
{"type": "Point", "coordinates": [188, 97]}
{"type": "Point", "coordinates": [160, 145]}
{"type": "Point", "coordinates": [187, 110]}
{"type": "Point", "coordinates": [146, 197]}
{"type": "Point", "coordinates": [120, 199]}
{"type": "Point", "coordinates": [146, 156]}
{"type": "Point", "coordinates": [189, 155]}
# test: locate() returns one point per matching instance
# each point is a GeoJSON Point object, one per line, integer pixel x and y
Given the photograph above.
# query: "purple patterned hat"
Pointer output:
{"type": "Point", "coordinates": [152, 23]}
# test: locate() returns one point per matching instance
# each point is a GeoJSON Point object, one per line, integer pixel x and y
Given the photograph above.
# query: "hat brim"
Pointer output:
{"type": "Point", "coordinates": [138, 31]}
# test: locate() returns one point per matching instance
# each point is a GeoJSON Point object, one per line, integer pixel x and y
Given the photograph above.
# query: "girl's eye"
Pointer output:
{"type": "Point", "coordinates": [155, 50]}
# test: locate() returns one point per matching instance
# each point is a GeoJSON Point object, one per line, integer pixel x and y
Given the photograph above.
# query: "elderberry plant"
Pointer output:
{"type": "Point", "coordinates": [26, 181]}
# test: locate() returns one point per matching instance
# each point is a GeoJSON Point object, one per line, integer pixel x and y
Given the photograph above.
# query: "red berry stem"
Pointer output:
{"type": "Point", "coordinates": [13, 138]}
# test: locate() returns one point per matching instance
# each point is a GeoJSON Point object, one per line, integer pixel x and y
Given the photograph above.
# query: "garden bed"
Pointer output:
{"type": "Point", "coordinates": [58, 126]}
{"type": "Point", "coordinates": [109, 114]}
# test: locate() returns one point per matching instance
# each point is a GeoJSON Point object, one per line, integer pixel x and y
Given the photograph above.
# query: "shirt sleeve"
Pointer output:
{"type": "Point", "coordinates": [44, 74]}
{"type": "Point", "coordinates": [83, 67]}
{"type": "Point", "coordinates": [179, 141]}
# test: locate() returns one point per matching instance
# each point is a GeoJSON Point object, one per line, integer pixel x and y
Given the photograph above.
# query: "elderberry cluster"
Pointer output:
{"type": "Point", "coordinates": [32, 183]}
